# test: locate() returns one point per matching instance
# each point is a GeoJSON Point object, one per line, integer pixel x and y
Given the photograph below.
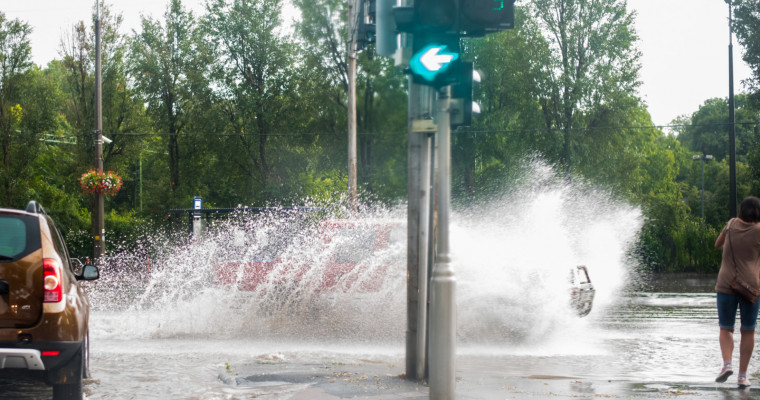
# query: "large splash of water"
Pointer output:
{"type": "Point", "coordinates": [512, 256]}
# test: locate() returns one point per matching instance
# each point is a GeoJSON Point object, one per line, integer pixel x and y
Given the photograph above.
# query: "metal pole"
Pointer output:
{"type": "Point", "coordinates": [426, 254]}
{"type": "Point", "coordinates": [413, 234]}
{"type": "Point", "coordinates": [141, 191]}
{"type": "Point", "coordinates": [352, 32]}
{"type": "Point", "coordinates": [443, 283]}
{"type": "Point", "coordinates": [703, 187]}
{"type": "Point", "coordinates": [419, 218]}
{"type": "Point", "coordinates": [99, 207]}
{"type": "Point", "coordinates": [733, 201]}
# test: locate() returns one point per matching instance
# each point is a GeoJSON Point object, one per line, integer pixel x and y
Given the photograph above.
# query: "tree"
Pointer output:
{"type": "Point", "coordinates": [381, 97]}
{"type": "Point", "coordinates": [707, 129]}
{"type": "Point", "coordinates": [593, 61]}
{"type": "Point", "coordinates": [165, 59]}
{"type": "Point", "coordinates": [510, 64]}
{"type": "Point", "coordinates": [747, 27]}
{"type": "Point", "coordinates": [18, 146]}
{"type": "Point", "coordinates": [253, 75]}
{"type": "Point", "coordinates": [122, 111]}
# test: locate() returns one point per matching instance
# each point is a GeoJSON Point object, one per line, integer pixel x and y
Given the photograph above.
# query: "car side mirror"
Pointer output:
{"type": "Point", "coordinates": [89, 273]}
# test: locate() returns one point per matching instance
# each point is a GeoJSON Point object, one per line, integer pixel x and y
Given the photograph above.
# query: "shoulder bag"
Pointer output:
{"type": "Point", "coordinates": [738, 285]}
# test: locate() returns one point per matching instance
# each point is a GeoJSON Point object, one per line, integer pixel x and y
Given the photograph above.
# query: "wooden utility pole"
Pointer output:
{"type": "Point", "coordinates": [353, 12]}
{"type": "Point", "coordinates": [98, 209]}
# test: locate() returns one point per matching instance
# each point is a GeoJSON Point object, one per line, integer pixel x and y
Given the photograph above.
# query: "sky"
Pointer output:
{"type": "Point", "coordinates": [684, 44]}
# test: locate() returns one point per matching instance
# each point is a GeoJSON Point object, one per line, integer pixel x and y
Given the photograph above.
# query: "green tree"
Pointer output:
{"type": "Point", "coordinates": [511, 64]}
{"type": "Point", "coordinates": [707, 129]}
{"type": "Point", "coordinates": [122, 111]}
{"type": "Point", "coordinates": [381, 100]}
{"type": "Point", "coordinates": [593, 61]}
{"type": "Point", "coordinates": [19, 146]}
{"type": "Point", "coordinates": [167, 63]}
{"type": "Point", "coordinates": [253, 74]}
{"type": "Point", "coordinates": [747, 27]}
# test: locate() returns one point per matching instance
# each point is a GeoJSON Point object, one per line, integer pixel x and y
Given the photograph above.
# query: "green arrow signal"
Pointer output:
{"type": "Point", "coordinates": [431, 61]}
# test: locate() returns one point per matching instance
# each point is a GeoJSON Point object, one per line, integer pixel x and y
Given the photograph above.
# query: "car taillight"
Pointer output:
{"type": "Point", "coordinates": [52, 280]}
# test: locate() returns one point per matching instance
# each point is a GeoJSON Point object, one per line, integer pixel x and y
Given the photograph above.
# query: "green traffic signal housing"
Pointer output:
{"type": "Point", "coordinates": [480, 17]}
{"type": "Point", "coordinates": [462, 104]}
{"type": "Point", "coordinates": [436, 15]}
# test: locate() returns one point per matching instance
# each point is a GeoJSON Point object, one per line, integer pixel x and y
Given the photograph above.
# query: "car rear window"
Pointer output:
{"type": "Point", "coordinates": [19, 236]}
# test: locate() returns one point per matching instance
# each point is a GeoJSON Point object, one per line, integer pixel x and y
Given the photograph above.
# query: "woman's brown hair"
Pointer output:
{"type": "Point", "coordinates": [749, 209]}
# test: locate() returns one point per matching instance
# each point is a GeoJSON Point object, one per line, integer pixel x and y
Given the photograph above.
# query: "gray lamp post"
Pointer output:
{"type": "Point", "coordinates": [704, 157]}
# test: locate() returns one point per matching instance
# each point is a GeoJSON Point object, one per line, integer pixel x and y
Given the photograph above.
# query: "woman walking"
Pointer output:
{"type": "Point", "coordinates": [740, 241]}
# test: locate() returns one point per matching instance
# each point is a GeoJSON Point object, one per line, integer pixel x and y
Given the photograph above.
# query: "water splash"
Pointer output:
{"type": "Point", "coordinates": [512, 256]}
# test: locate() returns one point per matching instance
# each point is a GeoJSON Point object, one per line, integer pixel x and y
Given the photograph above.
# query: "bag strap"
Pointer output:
{"type": "Point", "coordinates": [728, 241]}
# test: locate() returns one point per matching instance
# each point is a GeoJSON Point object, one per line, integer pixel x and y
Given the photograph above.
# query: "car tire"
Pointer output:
{"type": "Point", "coordinates": [75, 389]}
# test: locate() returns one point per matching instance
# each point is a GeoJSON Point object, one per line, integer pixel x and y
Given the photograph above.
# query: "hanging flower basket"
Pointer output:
{"type": "Point", "coordinates": [96, 182]}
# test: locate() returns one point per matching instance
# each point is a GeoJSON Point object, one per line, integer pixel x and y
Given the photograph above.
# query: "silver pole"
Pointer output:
{"type": "Point", "coordinates": [443, 283]}
{"type": "Point", "coordinates": [425, 106]}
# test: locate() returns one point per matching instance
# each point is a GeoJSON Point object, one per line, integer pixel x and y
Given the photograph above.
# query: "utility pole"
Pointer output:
{"type": "Point", "coordinates": [98, 211]}
{"type": "Point", "coordinates": [733, 201]}
{"type": "Point", "coordinates": [703, 158]}
{"type": "Point", "coordinates": [353, 12]}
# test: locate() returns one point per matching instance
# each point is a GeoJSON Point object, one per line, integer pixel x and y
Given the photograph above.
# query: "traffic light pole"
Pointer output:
{"type": "Point", "coordinates": [443, 283]}
{"type": "Point", "coordinates": [419, 240]}
{"type": "Point", "coordinates": [436, 28]}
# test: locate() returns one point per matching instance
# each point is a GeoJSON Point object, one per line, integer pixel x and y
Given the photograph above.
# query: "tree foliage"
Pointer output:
{"type": "Point", "coordinates": [593, 62]}
{"type": "Point", "coordinates": [243, 108]}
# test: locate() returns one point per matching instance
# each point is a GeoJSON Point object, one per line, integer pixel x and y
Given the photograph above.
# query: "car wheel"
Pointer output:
{"type": "Point", "coordinates": [73, 390]}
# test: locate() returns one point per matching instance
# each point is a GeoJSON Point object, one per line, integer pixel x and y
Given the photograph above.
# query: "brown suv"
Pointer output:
{"type": "Point", "coordinates": [44, 312]}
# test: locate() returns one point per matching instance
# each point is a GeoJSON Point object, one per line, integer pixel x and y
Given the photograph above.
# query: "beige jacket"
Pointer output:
{"type": "Point", "coordinates": [740, 242]}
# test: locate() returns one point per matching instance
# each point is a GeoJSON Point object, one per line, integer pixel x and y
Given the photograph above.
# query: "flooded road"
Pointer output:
{"type": "Point", "coordinates": [174, 332]}
{"type": "Point", "coordinates": [653, 341]}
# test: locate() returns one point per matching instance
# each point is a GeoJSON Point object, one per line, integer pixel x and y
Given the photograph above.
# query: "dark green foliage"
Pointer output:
{"type": "Point", "coordinates": [242, 107]}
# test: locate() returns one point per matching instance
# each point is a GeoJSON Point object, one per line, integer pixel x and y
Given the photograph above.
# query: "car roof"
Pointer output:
{"type": "Point", "coordinates": [16, 211]}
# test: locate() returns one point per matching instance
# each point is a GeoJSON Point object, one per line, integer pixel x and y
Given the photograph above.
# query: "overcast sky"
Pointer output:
{"type": "Point", "coordinates": [684, 44]}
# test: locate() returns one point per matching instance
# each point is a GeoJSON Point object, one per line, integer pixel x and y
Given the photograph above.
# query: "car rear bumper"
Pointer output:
{"type": "Point", "coordinates": [30, 359]}
{"type": "Point", "coordinates": [36, 356]}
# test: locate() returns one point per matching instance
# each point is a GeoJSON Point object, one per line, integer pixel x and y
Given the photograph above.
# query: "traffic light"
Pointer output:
{"type": "Point", "coordinates": [366, 24]}
{"type": "Point", "coordinates": [434, 59]}
{"type": "Point", "coordinates": [436, 15]}
{"type": "Point", "coordinates": [479, 17]}
{"type": "Point", "coordinates": [386, 40]}
{"type": "Point", "coordinates": [435, 47]}
{"type": "Point", "coordinates": [462, 105]}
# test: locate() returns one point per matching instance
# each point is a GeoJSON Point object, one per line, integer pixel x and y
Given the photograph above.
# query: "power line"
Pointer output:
{"type": "Point", "coordinates": [458, 131]}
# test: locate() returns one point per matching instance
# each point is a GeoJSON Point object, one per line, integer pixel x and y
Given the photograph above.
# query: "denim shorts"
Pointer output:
{"type": "Point", "coordinates": [727, 305]}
